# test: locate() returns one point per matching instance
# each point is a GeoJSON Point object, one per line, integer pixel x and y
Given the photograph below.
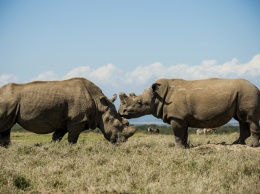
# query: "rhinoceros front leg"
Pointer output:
{"type": "Point", "coordinates": [180, 131]}
{"type": "Point", "coordinates": [73, 132]}
{"type": "Point", "coordinates": [5, 138]}
{"type": "Point", "coordinates": [244, 133]}
{"type": "Point", "coordinates": [255, 130]}
{"type": "Point", "coordinates": [58, 134]}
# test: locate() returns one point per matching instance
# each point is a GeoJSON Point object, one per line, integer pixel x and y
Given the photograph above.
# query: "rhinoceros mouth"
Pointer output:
{"type": "Point", "coordinates": [129, 115]}
{"type": "Point", "coordinates": [117, 141]}
{"type": "Point", "coordinates": [113, 141]}
{"type": "Point", "coordinates": [126, 115]}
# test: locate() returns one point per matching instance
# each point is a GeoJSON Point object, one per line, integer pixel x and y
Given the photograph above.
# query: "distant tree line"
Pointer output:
{"type": "Point", "coordinates": [164, 129]}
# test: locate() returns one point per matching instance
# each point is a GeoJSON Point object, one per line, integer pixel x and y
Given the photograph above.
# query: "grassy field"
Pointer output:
{"type": "Point", "coordinates": [145, 164]}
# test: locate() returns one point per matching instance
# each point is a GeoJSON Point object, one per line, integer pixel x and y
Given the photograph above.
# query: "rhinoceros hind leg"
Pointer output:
{"type": "Point", "coordinates": [255, 130]}
{"type": "Point", "coordinates": [244, 133]}
{"type": "Point", "coordinates": [180, 131]}
{"type": "Point", "coordinates": [5, 140]}
{"type": "Point", "coordinates": [58, 134]}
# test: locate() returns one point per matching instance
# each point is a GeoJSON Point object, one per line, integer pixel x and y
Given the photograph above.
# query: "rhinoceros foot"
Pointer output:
{"type": "Point", "coordinates": [5, 138]}
{"type": "Point", "coordinates": [238, 141]}
{"type": "Point", "coordinates": [255, 139]}
{"type": "Point", "coordinates": [4, 143]}
{"type": "Point", "coordinates": [255, 143]}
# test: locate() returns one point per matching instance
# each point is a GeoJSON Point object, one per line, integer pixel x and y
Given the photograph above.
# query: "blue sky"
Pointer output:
{"type": "Point", "coordinates": [127, 45]}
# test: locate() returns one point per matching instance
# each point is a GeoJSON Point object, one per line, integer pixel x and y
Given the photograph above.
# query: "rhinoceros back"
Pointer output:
{"type": "Point", "coordinates": [209, 103]}
{"type": "Point", "coordinates": [47, 106]}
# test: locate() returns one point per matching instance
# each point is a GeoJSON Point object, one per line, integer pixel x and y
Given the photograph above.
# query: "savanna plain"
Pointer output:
{"type": "Point", "coordinates": [146, 163]}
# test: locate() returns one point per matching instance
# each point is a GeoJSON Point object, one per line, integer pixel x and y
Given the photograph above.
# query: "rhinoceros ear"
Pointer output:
{"type": "Point", "coordinates": [123, 97]}
{"type": "Point", "coordinates": [132, 95]}
{"type": "Point", "coordinates": [154, 88]}
{"type": "Point", "coordinates": [114, 98]}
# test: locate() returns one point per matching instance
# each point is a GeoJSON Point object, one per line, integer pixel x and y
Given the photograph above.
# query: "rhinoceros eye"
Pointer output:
{"type": "Point", "coordinates": [117, 123]}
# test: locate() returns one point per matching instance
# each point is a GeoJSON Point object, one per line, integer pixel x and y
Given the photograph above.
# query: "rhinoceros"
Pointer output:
{"type": "Point", "coordinates": [65, 106]}
{"type": "Point", "coordinates": [206, 131]}
{"type": "Point", "coordinates": [205, 103]}
{"type": "Point", "coordinates": [153, 130]}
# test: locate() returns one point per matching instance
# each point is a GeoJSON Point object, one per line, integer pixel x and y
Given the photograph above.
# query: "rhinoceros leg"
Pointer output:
{"type": "Point", "coordinates": [58, 134]}
{"type": "Point", "coordinates": [180, 131]}
{"type": "Point", "coordinates": [244, 133]}
{"type": "Point", "coordinates": [73, 132]}
{"type": "Point", "coordinates": [73, 138]}
{"type": "Point", "coordinates": [255, 130]}
{"type": "Point", "coordinates": [5, 138]}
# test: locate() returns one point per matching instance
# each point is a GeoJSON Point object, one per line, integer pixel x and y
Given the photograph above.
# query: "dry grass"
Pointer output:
{"type": "Point", "coordinates": [145, 164]}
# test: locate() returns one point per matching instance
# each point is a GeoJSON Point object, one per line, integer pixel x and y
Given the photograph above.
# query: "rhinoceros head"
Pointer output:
{"type": "Point", "coordinates": [133, 106]}
{"type": "Point", "coordinates": [115, 128]}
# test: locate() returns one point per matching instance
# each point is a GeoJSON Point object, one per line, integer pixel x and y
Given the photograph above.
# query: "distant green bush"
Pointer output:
{"type": "Point", "coordinates": [18, 128]}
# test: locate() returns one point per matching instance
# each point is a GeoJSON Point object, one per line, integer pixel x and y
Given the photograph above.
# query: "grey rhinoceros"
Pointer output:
{"type": "Point", "coordinates": [153, 130]}
{"type": "Point", "coordinates": [69, 106]}
{"type": "Point", "coordinates": [205, 103]}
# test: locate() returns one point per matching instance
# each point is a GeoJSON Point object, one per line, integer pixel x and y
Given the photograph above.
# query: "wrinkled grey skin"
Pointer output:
{"type": "Point", "coordinates": [60, 106]}
{"type": "Point", "coordinates": [206, 103]}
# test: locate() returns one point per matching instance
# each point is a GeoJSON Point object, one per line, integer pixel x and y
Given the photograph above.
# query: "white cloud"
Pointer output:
{"type": "Point", "coordinates": [7, 78]}
{"type": "Point", "coordinates": [83, 71]}
{"type": "Point", "coordinates": [107, 75]}
{"type": "Point", "coordinates": [113, 79]}
{"type": "Point", "coordinates": [253, 67]}
{"type": "Point", "coordinates": [142, 77]}
{"type": "Point", "coordinates": [207, 69]}
{"type": "Point", "coordinates": [46, 76]}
